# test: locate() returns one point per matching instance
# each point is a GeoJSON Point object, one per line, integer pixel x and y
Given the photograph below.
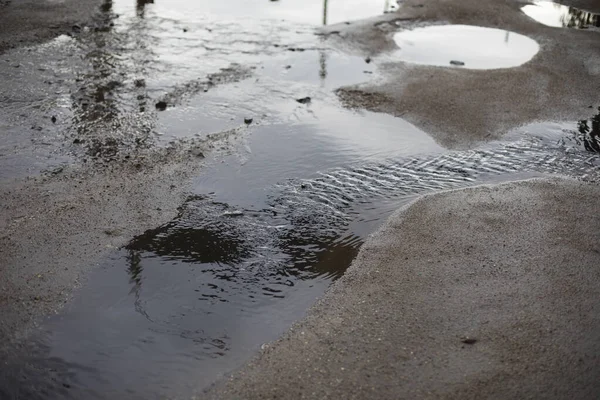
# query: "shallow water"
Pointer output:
{"type": "Point", "coordinates": [560, 15]}
{"type": "Point", "coordinates": [185, 303]}
{"type": "Point", "coordinates": [464, 46]}
{"type": "Point", "coordinates": [271, 221]}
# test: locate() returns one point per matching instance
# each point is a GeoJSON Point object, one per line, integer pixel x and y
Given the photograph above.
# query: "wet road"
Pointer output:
{"type": "Point", "coordinates": [285, 197]}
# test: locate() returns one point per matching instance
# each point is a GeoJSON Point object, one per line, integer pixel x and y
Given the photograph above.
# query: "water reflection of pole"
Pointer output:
{"type": "Point", "coordinates": [322, 56]}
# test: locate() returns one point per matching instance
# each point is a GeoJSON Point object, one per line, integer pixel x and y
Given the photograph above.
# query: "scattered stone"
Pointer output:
{"type": "Point", "coordinates": [197, 153]}
{"type": "Point", "coordinates": [161, 106]}
{"type": "Point", "coordinates": [185, 30]}
{"type": "Point", "coordinates": [468, 340]}
{"type": "Point", "coordinates": [76, 28]}
{"type": "Point", "coordinates": [304, 100]}
{"type": "Point", "coordinates": [139, 83]}
{"type": "Point", "coordinates": [235, 213]}
{"type": "Point", "coordinates": [288, 66]}
{"type": "Point", "coordinates": [457, 63]}
{"type": "Point", "coordinates": [368, 72]}
{"type": "Point", "coordinates": [248, 121]}
{"type": "Point", "coordinates": [76, 141]}
{"type": "Point", "coordinates": [368, 60]}
{"type": "Point", "coordinates": [53, 119]}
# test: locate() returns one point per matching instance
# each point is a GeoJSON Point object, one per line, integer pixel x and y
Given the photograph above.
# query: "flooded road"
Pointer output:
{"type": "Point", "coordinates": [283, 201]}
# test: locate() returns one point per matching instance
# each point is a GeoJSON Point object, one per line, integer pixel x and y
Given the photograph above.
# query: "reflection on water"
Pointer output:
{"type": "Point", "coordinates": [561, 16]}
{"type": "Point", "coordinates": [188, 301]}
{"type": "Point", "coordinates": [465, 46]}
{"type": "Point", "coordinates": [313, 12]}
{"type": "Point", "coordinates": [588, 133]}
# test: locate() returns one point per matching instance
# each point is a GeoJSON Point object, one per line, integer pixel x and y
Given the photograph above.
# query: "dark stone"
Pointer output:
{"type": "Point", "coordinates": [185, 29]}
{"type": "Point", "coordinates": [368, 60]}
{"type": "Point", "coordinates": [76, 28]}
{"type": "Point", "coordinates": [456, 62]}
{"type": "Point", "coordinates": [161, 106]}
{"type": "Point", "coordinates": [247, 121]}
{"type": "Point", "coordinates": [53, 119]}
{"type": "Point", "coordinates": [468, 340]}
{"type": "Point", "coordinates": [304, 100]}
{"type": "Point", "coordinates": [288, 66]}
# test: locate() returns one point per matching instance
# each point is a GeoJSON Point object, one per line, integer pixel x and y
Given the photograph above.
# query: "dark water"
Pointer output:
{"type": "Point", "coordinates": [186, 302]}
{"type": "Point", "coordinates": [273, 219]}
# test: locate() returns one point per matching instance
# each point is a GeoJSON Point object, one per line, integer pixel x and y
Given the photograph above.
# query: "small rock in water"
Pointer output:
{"type": "Point", "coordinates": [247, 121]}
{"type": "Point", "coordinates": [161, 106]}
{"type": "Point", "coordinates": [53, 119]}
{"type": "Point", "coordinates": [368, 60]}
{"type": "Point", "coordinates": [185, 29]}
{"type": "Point", "coordinates": [468, 340]}
{"type": "Point", "coordinates": [232, 214]}
{"type": "Point", "coordinates": [288, 66]}
{"type": "Point", "coordinates": [304, 100]}
{"type": "Point", "coordinates": [456, 62]}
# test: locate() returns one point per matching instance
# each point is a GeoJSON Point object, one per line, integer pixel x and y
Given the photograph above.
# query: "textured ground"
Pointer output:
{"type": "Point", "coordinates": [489, 292]}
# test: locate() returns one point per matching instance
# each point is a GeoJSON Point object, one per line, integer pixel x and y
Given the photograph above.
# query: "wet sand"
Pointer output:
{"type": "Point", "coordinates": [487, 292]}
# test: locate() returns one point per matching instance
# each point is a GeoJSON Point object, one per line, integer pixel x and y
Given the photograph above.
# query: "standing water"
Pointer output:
{"type": "Point", "coordinates": [273, 219]}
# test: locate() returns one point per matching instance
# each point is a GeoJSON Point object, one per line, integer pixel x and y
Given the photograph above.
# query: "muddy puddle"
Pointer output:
{"type": "Point", "coordinates": [561, 16]}
{"type": "Point", "coordinates": [272, 219]}
{"type": "Point", "coordinates": [185, 303]}
{"type": "Point", "coordinates": [464, 46]}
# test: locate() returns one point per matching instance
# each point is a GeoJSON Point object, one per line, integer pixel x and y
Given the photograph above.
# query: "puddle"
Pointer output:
{"type": "Point", "coordinates": [561, 16]}
{"type": "Point", "coordinates": [465, 46]}
{"type": "Point", "coordinates": [272, 222]}
{"type": "Point", "coordinates": [185, 303]}
{"type": "Point", "coordinates": [313, 12]}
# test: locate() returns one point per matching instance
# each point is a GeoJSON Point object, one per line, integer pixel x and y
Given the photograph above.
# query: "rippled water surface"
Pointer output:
{"type": "Point", "coordinates": [273, 218]}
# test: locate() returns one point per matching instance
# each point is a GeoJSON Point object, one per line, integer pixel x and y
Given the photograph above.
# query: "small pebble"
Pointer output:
{"type": "Point", "coordinates": [304, 100]}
